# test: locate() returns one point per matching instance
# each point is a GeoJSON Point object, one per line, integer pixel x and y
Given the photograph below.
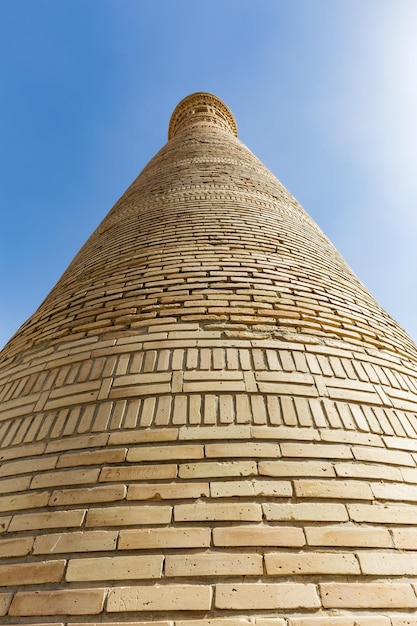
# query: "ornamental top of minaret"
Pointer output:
{"type": "Point", "coordinates": [201, 107]}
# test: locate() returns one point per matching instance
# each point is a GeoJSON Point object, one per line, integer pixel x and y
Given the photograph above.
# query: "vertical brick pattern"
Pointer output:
{"type": "Point", "coordinates": [209, 421]}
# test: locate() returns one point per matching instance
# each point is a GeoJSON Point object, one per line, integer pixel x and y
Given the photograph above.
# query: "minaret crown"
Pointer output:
{"type": "Point", "coordinates": [201, 107]}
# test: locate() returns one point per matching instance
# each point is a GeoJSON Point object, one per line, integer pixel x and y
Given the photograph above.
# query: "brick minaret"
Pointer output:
{"type": "Point", "coordinates": [209, 421]}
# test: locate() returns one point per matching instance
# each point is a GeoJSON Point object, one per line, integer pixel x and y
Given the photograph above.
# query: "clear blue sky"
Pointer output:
{"type": "Point", "coordinates": [324, 93]}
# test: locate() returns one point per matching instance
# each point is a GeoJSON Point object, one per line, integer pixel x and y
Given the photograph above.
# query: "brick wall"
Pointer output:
{"type": "Point", "coordinates": [209, 421]}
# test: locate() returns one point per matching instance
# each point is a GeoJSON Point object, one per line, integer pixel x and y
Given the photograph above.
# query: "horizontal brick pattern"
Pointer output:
{"type": "Point", "coordinates": [228, 518]}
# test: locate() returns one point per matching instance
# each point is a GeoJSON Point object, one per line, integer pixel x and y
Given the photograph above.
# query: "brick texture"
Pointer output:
{"type": "Point", "coordinates": [209, 421]}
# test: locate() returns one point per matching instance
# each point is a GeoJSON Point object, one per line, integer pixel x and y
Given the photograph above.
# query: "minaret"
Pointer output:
{"type": "Point", "coordinates": [209, 421]}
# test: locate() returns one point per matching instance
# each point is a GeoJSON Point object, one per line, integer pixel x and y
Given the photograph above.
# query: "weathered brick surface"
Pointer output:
{"type": "Point", "coordinates": [128, 516]}
{"type": "Point", "coordinates": [388, 563]}
{"type": "Point", "coordinates": [353, 536]}
{"type": "Point", "coordinates": [266, 596]}
{"type": "Point", "coordinates": [163, 538]}
{"type": "Point", "coordinates": [220, 621]}
{"type": "Point", "coordinates": [371, 595]}
{"type": "Point", "coordinates": [209, 421]}
{"type": "Point", "coordinates": [114, 568]}
{"type": "Point", "coordinates": [68, 602]}
{"type": "Point", "coordinates": [86, 541]}
{"type": "Point", "coordinates": [20, 546]}
{"type": "Point", "coordinates": [215, 564]}
{"type": "Point", "coordinates": [5, 600]}
{"type": "Point", "coordinates": [168, 491]}
{"type": "Point", "coordinates": [254, 487]}
{"type": "Point", "coordinates": [27, 573]}
{"type": "Point", "coordinates": [54, 519]}
{"type": "Point", "coordinates": [317, 512]}
{"type": "Point", "coordinates": [222, 512]}
{"type": "Point", "coordinates": [258, 536]}
{"type": "Point", "coordinates": [292, 563]}
{"type": "Point", "coordinates": [358, 620]}
{"type": "Point", "coordinates": [159, 598]}
{"type": "Point", "coordinates": [405, 538]}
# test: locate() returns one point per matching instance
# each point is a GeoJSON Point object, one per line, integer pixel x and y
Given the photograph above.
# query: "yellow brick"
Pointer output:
{"type": "Point", "coordinates": [290, 390]}
{"type": "Point", "coordinates": [86, 541]}
{"type": "Point", "coordinates": [216, 386]}
{"type": "Point", "coordinates": [214, 469]}
{"type": "Point", "coordinates": [266, 596]}
{"type": "Point", "coordinates": [286, 536]}
{"type": "Point", "coordinates": [279, 433]}
{"type": "Point", "coordinates": [5, 600]}
{"type": "Point", "coordinates": [12, 485]}
{"type": "Point", "coordinates": [321, 451]}
{"type": "Point", "coordinates": [214, 564]}
{"type": "Point", "coordinates": [352, 536]}
{"type": "Point", "coordinates": [409, 475]}
{"type": "Point", "coordinates": [73, 400]}
{"type": "Point", "coordinates": [84, 496]}
{"type": "Point", "coordinates": [160, 598]}
{"type": "Point", "coordinates": [382, 455]}
{"type": "Point", "coordinates": [114, 568]}
{"type": "Point", "coordinates": [383, 513]}
{"type": "Point", "coordinates": [68, 602]}
{"type": "Point", "coordinates": [138, 472]}
{"type": "Point", "coordinates": [272, 488]}
{"type": "Point", "coordinates": [358, 620]}
{"type": "Point", "coordinates": [214, 432]}
{"type": "Point", "coordinates": [28, 466]}
{"type": "Point", "coordinates": [243, 449]}
{"type": "Point", "coordinates": [205, 511]}
{"type": "Point", "coordinates": [92, 457]}
{"type": "Point", "coordinates": [273, 621]}
{"type": "Point", "coordinates": [78, 443]}
{"type": "Point", "coordinates": [295, 468]}
{"type": "Point", "coordinates": [165, 453]}
{"type": "Point", "coordinates": [121, 623]}
{"type": "Point", "coordinates": [142, 379]}
{"type": "Point", "coordinates": [290, 563]}
{"type": "Point", "coordinates": [405, 538]}
{"type": "Point", "coordinates": [337, 489]}
{"type": "Point", "coordinates": [128, 515]}
{"type": "Point", "coordinates": [221, 621]}
{"type": "Point", "coordinates": [350, 436]}
{"type": "Point", "coordinates": [213, 375]}
{"type": "Point", "coordinates": [388, 563]}
{"type": "Point", "coordinates": [141, 390]}
{"type": "Point", "coordinates": [402, 443]}
{"type": "Point", "coordinates": [55, 519]}
{"type": "Point", "coordinates": [24, 501]}
{"type": "Point", "coordinates": [143, 436]}
{"type": "Point", "coordinates": [369, 596]}
{"type": "Point", "coordinates": [28, 450]}
{"type": "Point", "coordinates": [316, 512]}
{"type": "Point", "coordinates": [161, 538]}
{"type": "Point", "coordinates": [285, 377]}
{"type": "Point", "coordinates": [15, 547]}
{"type": "Point", "coordinates": [395, 492]}
{"type": "Point", "coordinates": [31, 573]}
{"type": "Point", "coordinates": [364, 470]}
{"type": "Point", "coordinates": [169, 491]}
{"type": "Point", "coordinates": [78, 388]}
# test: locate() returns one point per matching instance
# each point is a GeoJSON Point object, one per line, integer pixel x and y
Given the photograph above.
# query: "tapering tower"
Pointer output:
{"type": "Point", "coordinates": [209, 421]}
